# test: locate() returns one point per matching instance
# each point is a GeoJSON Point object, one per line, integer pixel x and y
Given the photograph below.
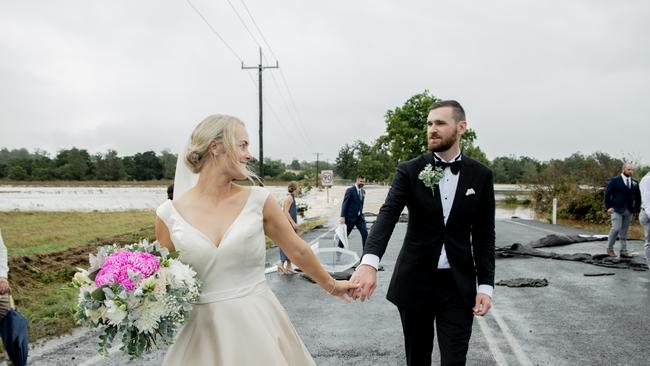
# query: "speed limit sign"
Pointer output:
{"type": "Point", "coordinates": [327, 177]}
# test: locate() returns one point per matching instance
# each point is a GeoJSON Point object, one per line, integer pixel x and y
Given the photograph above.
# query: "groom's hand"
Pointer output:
{"type": "Point", "coordinates": [366, 277]}
{"type": "Point", "coordinates": [483, 304]}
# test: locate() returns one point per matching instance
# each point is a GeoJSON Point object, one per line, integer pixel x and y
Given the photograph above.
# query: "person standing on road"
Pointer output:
{"type": "Point", "coordinates": [644, 215]}
{"type": "Point", "coordinates": [289, 209]}
{"type": "Point", "coordinates": [622, 201]}
{"type": "Point", "coordinates": [352, 210]}
{"type": "Point", "coordinates": [5, 289]}
{"type": "Point", "coordinates": [444, 274]}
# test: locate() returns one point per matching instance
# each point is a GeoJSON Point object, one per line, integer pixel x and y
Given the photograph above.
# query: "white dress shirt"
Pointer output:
{"type": "Point", "coordinates": [627, 180]}
{"type": "Point", "coordinates": [4, 267]}
{"type": "Point", "coordinates": [447, 185]}
{"type": "Point", "coordinates": [644, 187]}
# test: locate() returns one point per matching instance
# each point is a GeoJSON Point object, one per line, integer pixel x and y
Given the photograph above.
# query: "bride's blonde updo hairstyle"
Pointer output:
{"type": "Point", "coordinates": [220, 128]}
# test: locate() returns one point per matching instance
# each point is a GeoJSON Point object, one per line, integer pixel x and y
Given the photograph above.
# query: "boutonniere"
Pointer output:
{"type": "Point", "coordinates": [431, 176]}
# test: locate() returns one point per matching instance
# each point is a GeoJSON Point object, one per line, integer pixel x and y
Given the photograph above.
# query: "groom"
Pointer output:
{"type": "Point", "coordinates": [444, 273]}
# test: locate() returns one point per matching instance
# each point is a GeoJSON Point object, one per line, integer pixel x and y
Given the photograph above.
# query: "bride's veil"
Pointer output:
{"type": "Point", "coordinates": [184, 178]}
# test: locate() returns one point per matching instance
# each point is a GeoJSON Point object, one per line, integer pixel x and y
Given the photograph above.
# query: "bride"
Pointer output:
{"type": "Point", "coordinates": [218, 227]}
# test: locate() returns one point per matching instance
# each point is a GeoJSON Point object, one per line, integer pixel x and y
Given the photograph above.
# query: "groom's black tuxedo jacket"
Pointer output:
{"type": "Point", "coordinates": [468, 236]}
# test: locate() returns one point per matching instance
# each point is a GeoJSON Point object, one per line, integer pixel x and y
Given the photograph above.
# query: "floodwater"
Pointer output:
{"type": "Point", "coordinates": [322, 202]}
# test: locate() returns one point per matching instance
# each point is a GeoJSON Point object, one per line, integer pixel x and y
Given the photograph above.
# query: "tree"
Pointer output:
{"type": "Point", "coordinates": [374, 161]}
{"type": "Point", "coordinates": [273, 168]}
{"type": "Point", "coordinates": [109, 166]}
{"type": "Point", "coordinates": [470, 149]}
{"type": "Point", "coordinates": [16, 172]}
{"type": "Point", "coordinates": [295, 164]}
{"type": "Point", "coordinates": [129, 167]}
{"type": "Point", "coordinates": [346, 162]}
{"type": "Point", "coordinates": [168, 161]}
{"type": "Point", "coordinates": [73, 164]}
{"type": "Point", "coordinates": [406, 127]}
{"type": "Point", "coordinates": [147, 166]}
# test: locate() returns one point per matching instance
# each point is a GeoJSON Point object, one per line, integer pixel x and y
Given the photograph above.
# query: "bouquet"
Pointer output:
{"type": "Point", "coordinates": [302, 206]}
{"type": "Point", "coordinates": [140, 292]}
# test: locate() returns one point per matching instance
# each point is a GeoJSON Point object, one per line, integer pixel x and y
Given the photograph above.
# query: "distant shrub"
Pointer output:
{"type": "Point", "coordinates": [511, 199]}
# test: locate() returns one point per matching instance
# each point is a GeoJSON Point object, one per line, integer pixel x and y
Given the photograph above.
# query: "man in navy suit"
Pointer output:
{"type": "Point", "coordinates": [622, 200]}
{"type": "Point", "coordinates": [352, 210]}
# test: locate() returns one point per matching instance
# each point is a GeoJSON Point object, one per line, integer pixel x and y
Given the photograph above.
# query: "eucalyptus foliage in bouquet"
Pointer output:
{"type": "Point", "coordinates": [431, 176]}
{"type": "Point", "coordinates": [140, 292]}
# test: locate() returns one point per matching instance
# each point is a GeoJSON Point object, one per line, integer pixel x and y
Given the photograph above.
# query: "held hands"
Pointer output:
{"type": "Point", "coordinates": [483, 304]}
{"type": "Point", "coordinates": [341, 289]}
{"type": "Point", "coordinates": [366, 279]}
{"type": "Point", "coordinates": [342, 220]}
{"type": "Point", "coordinates": [610, 210]}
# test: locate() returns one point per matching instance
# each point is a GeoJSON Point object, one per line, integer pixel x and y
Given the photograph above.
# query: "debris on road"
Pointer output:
{"type": "Point", "coordinates": [524, 282]}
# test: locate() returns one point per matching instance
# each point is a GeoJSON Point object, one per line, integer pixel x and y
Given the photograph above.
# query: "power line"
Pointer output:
{"type": "Point", "coordinates": [214, 31]}
{"type": "Point", "coordinates": [296, 115]}
{"type": "Point", "coordinates": [286, 105]}
{"type": "Point", "coordinates": [259, 30]}
{"type": "Point", "coordinates": [244, 24]}
{"type": "Point", "coordinates": [286, 129]}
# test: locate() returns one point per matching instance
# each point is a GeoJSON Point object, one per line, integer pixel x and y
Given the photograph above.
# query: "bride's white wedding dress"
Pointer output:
{"type": "Point", "coordinates": [238, 320]}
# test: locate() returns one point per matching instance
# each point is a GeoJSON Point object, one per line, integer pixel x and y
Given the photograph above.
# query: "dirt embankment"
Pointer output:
{"type": "Point", "coordinates": [30, 270]}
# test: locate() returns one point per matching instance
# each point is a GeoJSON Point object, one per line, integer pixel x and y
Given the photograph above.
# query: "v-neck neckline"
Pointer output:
{"type": "Point", "coordinates": [225, 234]}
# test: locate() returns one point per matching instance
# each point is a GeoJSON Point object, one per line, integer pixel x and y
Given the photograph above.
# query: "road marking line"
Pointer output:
{"type": "Point", "coordinates": [534, 227]}
{"type": "Point", "coordinates": [492, 344]}
{"type": "Point", "coordinates": [512, 341]}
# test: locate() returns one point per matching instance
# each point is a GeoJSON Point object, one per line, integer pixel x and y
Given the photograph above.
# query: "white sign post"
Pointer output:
{"type": "Point", "coordinates": [327, 178]}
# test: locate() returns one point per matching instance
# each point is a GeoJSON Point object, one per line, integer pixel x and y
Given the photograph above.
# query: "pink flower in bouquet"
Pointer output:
{"type": "Point", "coordinates": [115, 268]}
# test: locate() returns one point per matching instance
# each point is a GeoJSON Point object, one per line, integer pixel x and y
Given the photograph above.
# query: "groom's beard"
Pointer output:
{"type": "Point", "coordinates": [444, 144]}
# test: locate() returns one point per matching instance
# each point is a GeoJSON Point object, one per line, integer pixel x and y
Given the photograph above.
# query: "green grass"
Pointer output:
{"type": "Point", "coordinates": [27, 233]}
{"type": "Point", "coordinates": [48, 305]}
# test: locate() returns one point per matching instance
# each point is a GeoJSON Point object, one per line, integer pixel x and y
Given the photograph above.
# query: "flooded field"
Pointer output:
{"type": "Point", "coordinates": [21, 198]}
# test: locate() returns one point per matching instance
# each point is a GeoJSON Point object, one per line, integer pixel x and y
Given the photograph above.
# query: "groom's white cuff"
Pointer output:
{"type": "Point", "coordinates": [485, 289]}
{"type": "Point", "coordinates": [371, 260]}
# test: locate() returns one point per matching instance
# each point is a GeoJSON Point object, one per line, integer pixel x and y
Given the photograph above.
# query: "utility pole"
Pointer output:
{"type": "Point", "coordinates": [317, 161]}
{"type": "Point", "coordinates": [260, 68]}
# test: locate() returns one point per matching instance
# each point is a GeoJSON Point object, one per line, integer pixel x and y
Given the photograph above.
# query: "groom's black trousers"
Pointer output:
{"type": "Point", "coordinates": [453, 323]}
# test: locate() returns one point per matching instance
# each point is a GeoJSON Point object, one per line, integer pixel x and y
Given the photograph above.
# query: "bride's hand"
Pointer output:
{"type": "Point", "coordinates": [340, 290]}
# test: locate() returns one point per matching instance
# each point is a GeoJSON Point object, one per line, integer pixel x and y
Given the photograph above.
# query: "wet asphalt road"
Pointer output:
{"type": "Point", "coordinates": [576, 320]}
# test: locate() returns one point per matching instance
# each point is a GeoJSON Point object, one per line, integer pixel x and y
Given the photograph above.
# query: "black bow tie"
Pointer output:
{"type": "Point", "coordinates": [454, 166]}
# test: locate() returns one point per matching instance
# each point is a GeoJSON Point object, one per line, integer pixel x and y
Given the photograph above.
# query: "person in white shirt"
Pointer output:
{"type": "Point", "coordinates": [444, 274]}
{"type": "Point", "coordinates": [5, 289]}
{"type": "Point", "coordinates": [644, 215]}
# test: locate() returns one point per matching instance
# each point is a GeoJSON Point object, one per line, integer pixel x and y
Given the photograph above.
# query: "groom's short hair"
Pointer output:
{"type": "Point", "coordinates": [459, 112]}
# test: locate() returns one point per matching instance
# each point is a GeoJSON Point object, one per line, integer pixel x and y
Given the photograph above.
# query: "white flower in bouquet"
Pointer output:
{"type": "Point", "coordinates": [81, 278]}
{"type": "Point", "coordinates": [140, 292]}
{"type": "Point", "coordinates": [96, 315]}
{"type": "Point", "coordinates": [181, 274]}
{"type": "Point", "coordinates": [115, 313]}
{"type": "Point", "coordinates": [147, 316]}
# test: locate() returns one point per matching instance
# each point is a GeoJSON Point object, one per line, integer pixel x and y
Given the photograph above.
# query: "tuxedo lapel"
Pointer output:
{"type": "Point", "coordinates": [464, 181]}
{"type": "Point", "coordinates": [432, 199]}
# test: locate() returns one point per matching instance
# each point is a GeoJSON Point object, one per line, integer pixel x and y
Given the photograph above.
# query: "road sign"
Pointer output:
{"type": "Point", "coordinates": [327, 177]}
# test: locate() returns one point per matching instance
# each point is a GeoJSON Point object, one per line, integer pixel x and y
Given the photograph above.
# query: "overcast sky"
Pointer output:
{"type": "Point", "coordinates": [537, 78]}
